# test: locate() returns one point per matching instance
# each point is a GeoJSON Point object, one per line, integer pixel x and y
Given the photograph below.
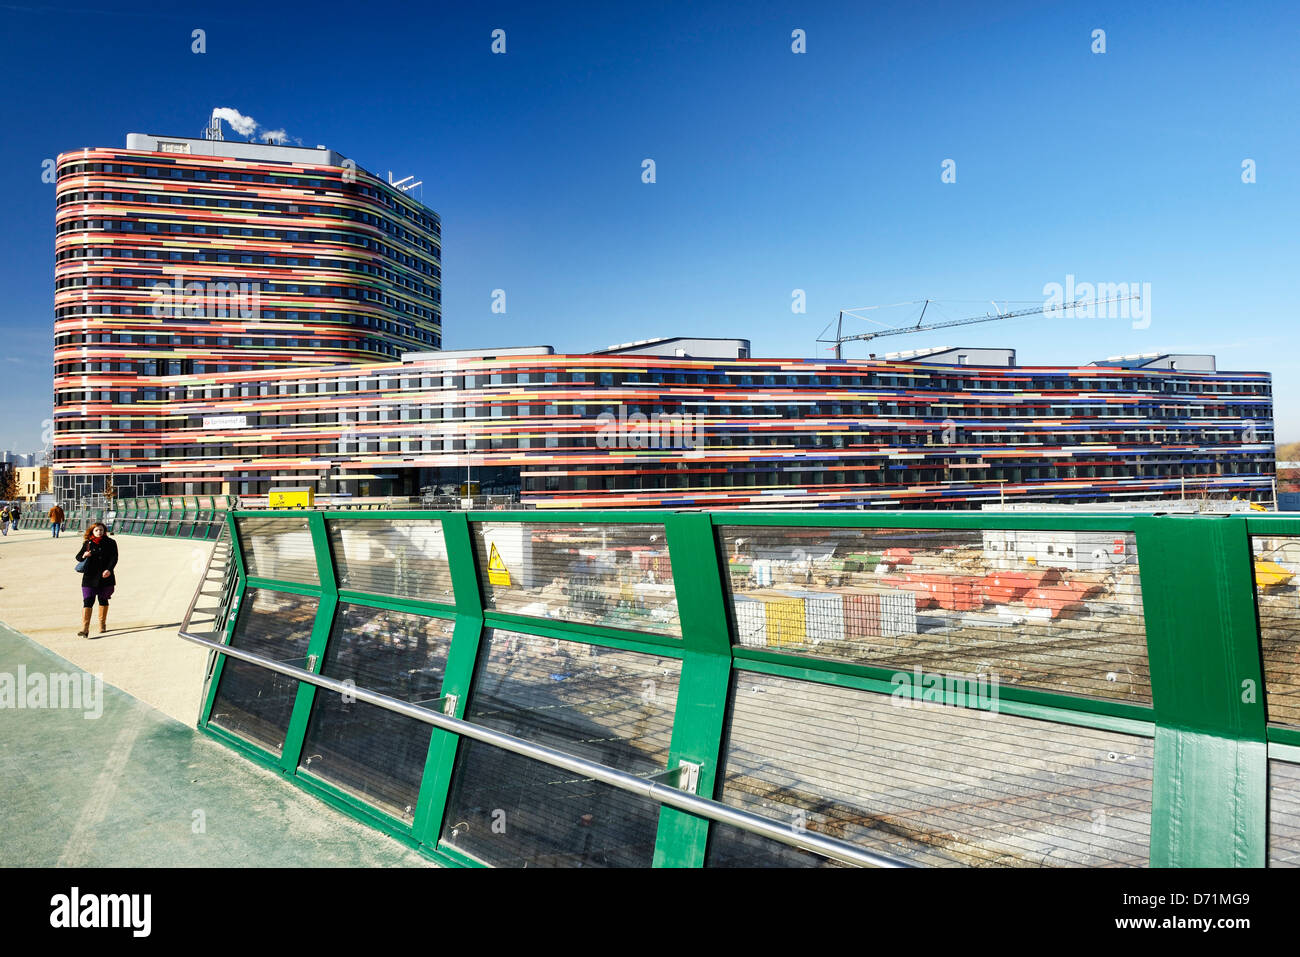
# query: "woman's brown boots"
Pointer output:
{"type": "Point", "coordinates": [85, 621]}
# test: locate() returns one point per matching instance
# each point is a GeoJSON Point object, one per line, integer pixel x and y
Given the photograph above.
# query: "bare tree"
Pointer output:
{"type": "Point", "coordinates": [8, 483]}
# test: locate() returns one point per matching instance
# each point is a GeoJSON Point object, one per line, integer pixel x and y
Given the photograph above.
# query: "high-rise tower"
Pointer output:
{"type": "Point", "coordinates": [181, 258]}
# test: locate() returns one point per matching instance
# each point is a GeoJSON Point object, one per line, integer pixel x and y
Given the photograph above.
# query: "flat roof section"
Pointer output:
{"type": "Point", "coordinates": [234, 149]}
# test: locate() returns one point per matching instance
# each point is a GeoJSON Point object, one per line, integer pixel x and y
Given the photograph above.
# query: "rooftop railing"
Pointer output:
{"type": "Point", "coordinates": [740, 689]}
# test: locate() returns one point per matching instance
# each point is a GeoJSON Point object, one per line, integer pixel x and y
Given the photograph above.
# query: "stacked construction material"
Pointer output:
{"type": "Point", "coordinates": [1002, 587]}
{"type": "Point", "coordinates": [657, 564]}
{"type": "Point", "coordinates": [861, 562]}
{"type": "Point", "coordinates": [1062, 600]}
{"type": "Point", "coordinates": [953, 592]}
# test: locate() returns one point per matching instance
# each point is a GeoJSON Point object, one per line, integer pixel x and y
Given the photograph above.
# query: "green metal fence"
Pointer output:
{"type": "Point", "coordinates": [32, 517]}
{"type": "Point", "coordinates": [978, 689]}
{"type": "Point", "coordinates": [173, 516]}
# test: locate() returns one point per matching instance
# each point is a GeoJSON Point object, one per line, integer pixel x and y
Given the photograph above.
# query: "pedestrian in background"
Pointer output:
{"type": "Point", "coordinates": [4, 520]}
{"type": "Point", "coordinates": [56, 520]}
{"type": "Point", "coordinates": [96, 558]}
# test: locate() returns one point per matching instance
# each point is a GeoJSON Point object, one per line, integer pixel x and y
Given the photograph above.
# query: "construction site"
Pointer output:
{"type": "Point", "coordinates": [1059, 610]}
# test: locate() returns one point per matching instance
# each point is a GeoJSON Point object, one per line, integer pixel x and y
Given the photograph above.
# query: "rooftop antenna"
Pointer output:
{"type": "Point", "coordinates": [402, 183]}
{"type": "Point", "coordinates": [213, 132]}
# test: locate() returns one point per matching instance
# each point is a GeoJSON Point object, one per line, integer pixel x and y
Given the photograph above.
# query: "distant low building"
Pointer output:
{"type": "Point", "coordinates": [33, 481]}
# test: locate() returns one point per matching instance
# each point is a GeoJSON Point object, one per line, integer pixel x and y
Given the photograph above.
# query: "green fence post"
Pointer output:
{"type": "Point", "coordinates": [457, 679]}
{"type": "Point", "coordinates": [1210, 780]}
{"type": "Point", "coordinates": [706, 673]}
{"type": "Point", "coordinates": [320, 634]}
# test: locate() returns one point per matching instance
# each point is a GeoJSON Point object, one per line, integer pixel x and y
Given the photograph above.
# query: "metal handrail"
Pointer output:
{"type": "Point", "coordinates": [660, 793]}
{"type": "Point", "coordinates": [212, 556]}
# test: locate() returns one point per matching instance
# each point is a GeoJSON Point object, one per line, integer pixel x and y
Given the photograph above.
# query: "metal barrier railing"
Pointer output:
{"type": "Point", "coordinates": [189, 517]}
{"type": "Point", "coordinates": [199, 517]}
{"type": "Point", "coordinates": [1147, 666]}
{"type": "Point", "coordinates": [653, 790]}
{"type": "Point", "coordinates": [218, 612]}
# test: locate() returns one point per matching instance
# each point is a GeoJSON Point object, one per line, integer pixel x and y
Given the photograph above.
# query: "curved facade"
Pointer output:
{"type": "Point", "coordinates": [197, 257]}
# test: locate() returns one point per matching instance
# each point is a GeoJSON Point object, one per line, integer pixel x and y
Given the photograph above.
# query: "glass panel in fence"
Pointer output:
{"type": "Point", "coordinates": [617, 576]}
{"type": "Point", "coordinates": [251, 701]}
{"type": "Point", "coordinates": [404, 559]}
{"type": "Point", "coordinates": [1283, 814]}
{"type": "Point", "coordinates": [606, 705]}
{"type": "Point", "coordinates": [372, 753]}
{"type": "Point", "coordinates": [932, 784]}
{"type": "Point", "coordinates": [1277, 596]}
{"type": "Point", "coordinates": [1051, 610]}
{"type": "Point", "coordinates": [278, 548]}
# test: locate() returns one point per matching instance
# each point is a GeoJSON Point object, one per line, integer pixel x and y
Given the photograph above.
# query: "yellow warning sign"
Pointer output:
{"type": "Point", "coordinates": [498, 574]}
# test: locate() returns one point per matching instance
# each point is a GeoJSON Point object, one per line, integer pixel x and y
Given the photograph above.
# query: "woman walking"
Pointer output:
{"type": "Point", "coordinates": [98, 552]}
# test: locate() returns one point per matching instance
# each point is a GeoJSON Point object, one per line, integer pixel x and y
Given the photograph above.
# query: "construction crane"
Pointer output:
{"type": "Point", "coordinates": [840, 338]}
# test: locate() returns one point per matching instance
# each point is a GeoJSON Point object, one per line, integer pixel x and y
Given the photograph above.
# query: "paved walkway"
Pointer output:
{"type": "Point", "coordinates": [40, 596]}
{"type": "Point", "coordinates": [115, 781]}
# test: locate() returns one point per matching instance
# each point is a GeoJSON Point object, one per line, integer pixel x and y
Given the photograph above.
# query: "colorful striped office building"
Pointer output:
{"type": "Point", "coordinates": [235, 317]}
{"type": "Point", "coordinates": [177, 259]}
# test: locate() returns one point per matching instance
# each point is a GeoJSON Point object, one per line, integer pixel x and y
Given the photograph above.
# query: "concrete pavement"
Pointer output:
{"type": "Point", "coordinates": [113, 773]}
{"type": "Point", "coordinates": [113, 782]}
{"type": "Point", "coordinates": [40, 596]}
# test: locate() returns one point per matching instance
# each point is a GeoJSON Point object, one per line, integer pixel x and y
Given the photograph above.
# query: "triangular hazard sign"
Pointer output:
{"type": "Point", "coordinates": [498, 574]}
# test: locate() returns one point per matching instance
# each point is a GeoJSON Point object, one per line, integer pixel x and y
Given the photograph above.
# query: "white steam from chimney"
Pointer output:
{"type": "Point", "coordinates": [247, 126]}
{"type": "Point", "coordinates": [241, 124]}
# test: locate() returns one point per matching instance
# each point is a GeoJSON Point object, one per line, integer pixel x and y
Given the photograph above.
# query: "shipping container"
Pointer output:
{"type": "Point", "coordinates": [823, 615]}
{"type": "Point", "coordinates": [878, 614]}
{"type": "Point", "coordinates": [751, 622]}
{"type": "Point", "coordinates": [786, 620]}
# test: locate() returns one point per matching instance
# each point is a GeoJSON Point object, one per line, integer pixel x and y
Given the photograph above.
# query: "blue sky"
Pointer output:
{"type": "Point", "coordinates": [775, 171]}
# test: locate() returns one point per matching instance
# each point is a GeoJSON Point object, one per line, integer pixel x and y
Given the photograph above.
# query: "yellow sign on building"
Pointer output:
{"type": "Point", "coordinates": [291, 498]}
